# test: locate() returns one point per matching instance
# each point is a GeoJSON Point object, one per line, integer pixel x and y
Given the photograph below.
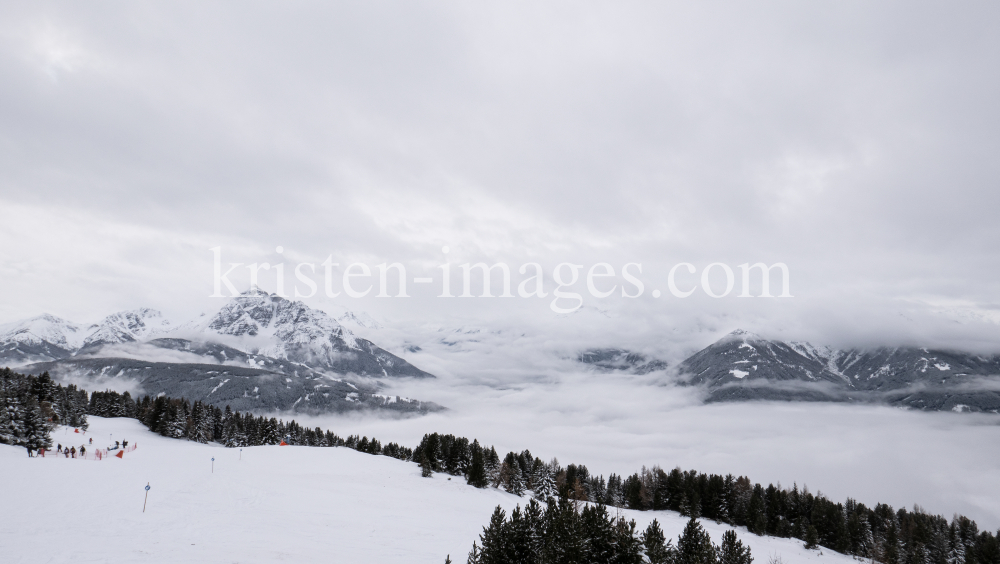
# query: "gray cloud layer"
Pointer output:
{"type": "Point", "coordinates": [854, 142]}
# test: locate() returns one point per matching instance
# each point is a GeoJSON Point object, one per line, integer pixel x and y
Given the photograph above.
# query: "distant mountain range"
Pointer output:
{"type": "Point", "coordinates": [743, 366]}
{"type": "Point", "coordinates": [258, 352]}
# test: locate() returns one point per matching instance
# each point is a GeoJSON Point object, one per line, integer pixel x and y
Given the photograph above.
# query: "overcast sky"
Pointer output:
{"type": "Point", "coordinates": [855, 142]}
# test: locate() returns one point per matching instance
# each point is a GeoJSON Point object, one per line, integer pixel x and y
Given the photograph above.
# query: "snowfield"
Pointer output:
{"type": "Point", "coordinates": [277, 504]}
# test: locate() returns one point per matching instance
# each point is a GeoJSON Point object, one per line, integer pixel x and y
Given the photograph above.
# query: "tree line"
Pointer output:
{"type": "Point", "coordinates": [178, 418]}
{"type": "Point", "coordinates": [31, 405]}
{"type": "Point", "coordinates": [563, 532]}
{"type": "Point", "coordinates": [879, 533]}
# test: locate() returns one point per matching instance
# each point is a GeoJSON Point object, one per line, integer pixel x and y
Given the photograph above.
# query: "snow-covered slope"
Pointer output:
{"type": "Point", "coordinates": [276, 504]}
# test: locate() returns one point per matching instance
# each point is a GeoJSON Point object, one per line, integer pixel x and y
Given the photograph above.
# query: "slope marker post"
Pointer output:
{"type": "Point", "coordinates": [146, 499]}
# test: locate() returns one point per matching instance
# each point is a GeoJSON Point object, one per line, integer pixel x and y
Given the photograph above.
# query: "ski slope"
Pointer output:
{"type": "Point", "coordinates": [277, 504]}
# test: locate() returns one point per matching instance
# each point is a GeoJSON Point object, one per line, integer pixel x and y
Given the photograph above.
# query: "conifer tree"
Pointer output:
{"type": "Point", "coordinates": [732, 550]}
{"type": "Point", "coordinates": [473, 555]}
{"type": "Point", "coordinates": [599, 534]}
{"type": "Point", "coordinates": [812, 537]}
{"type": "Point", "coordinates": [694, 546]}
{"type": "Point", "coordinates": [628, 547]}
{"type": "Point", "coordinates": [956, 547]}
{"type": "Point", "coordinates": [492, 464]}
{"type": "Point", "coordinates": [756, 515]}
{"type": "Point", "coordinates": [35, 428]}
{"type": "Point", "coordinates": [9, 432]}
{"type": "Point", "coordinates": [657, 551]}
{"type": "Point", "coordinates": [477, 468]}
{"type": "Point", "coordinates": [493, 539]}
{"type": "Point", "coordinates": [546, 484]}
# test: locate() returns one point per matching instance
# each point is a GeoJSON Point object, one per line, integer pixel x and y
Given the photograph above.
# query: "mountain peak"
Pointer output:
{"type": "Point", "coordinates": [254, 291]}
{"type": "Point", "coordinates": [741, 335]}
{"type": "Point", "coordinates": [126, 326]}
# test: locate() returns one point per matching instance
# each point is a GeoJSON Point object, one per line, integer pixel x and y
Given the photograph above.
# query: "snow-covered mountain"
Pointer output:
{"type": "Point", "coordinates": [254, 323]}
{"type": "Point", "coordinates": [743, 366]}
{"type": "Point", "coordinates": [41, 338]}
{"type": "Point", "coordinates": [48, 337]}
{"type": "Point", "coordinates": [258, 351]}
{"type": "Point", "coordinates": [283, 329]}
{"type": "Point", "coordinates": [126, 327]}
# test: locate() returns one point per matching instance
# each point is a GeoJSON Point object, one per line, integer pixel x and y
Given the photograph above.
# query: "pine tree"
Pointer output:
{"type": "Point", "coordinates": [812, 537]}
{"type": "Point", "coordinates": [732, 550]}
{"type": "Point", "coordinates": [477, 468]}
{"type": "Point", "coordinates": [8, 430]}
{"type": "Point", "coordinates": [36, 428]}
{"type": "Point", "coordinates": [492, 464]}
{"type": "Point", "coordinates": [473, 555]}
{"type": "Point", "coordinates": [694, 546]}
{"type": "Point", "coordinates": [176, 422]}
{"type": "Point", "coordinates": [494, 540]}
{"type": "Point", "coordinates": [546, 484]}
{"type": "Point", "coordinates": [598, 533]}
{"type": "Point", "coordinates": [511, 478]}
{"type": "Point", "coordinates": [657, 551]}
{"type": "Point", "coordinates": [956, 548]}
{"type": "Point", "coordinates": [756, 512]}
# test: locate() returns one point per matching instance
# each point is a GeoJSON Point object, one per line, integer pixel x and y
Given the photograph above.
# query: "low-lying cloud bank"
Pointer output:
{"type": "Point", "coordinates": [515, 397]}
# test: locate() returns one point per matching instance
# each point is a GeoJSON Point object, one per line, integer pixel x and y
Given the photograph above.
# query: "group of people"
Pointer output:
{"type": "Point", "coordinates": [70, 452]}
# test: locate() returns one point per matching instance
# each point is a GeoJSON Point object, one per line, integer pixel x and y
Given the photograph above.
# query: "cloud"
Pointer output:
{"type": "Point", "coordinates": [148, 352]}
{"type": "Point", "coordinates": [617, 423]}
{"type": "Point", "coordinates": [854, 151]}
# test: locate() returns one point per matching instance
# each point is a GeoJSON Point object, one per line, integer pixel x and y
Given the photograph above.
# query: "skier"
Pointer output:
{"type": "Point", "coordinates": [116, 445]}
{"type": "Point", "coordinates": [72, 451]}
{"type": "Point", "coordinates": [59, 449]}
{"type": "Point", "coordinates": [66, 453]}
{"type": "Point", "coordinates": [91, 440]}
{"type": "Point", "coordinates": [83, 451]}
{"type": "Point", "coordinates": [41, 451]}
{"type": "Point", "coordinates": [124, 444]}
{"type": "Point", "coordinates": [29, 451]}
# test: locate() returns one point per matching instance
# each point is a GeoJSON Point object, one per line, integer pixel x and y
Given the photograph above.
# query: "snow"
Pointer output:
{"type": "Point", "coordinates": [46, 327]}
{"type": "Point", "coordinates": [942, 366]}
{"type": "Point", "coordinates": [739, 373]}
{"type": "Point", "coordinates": [277, 504]}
